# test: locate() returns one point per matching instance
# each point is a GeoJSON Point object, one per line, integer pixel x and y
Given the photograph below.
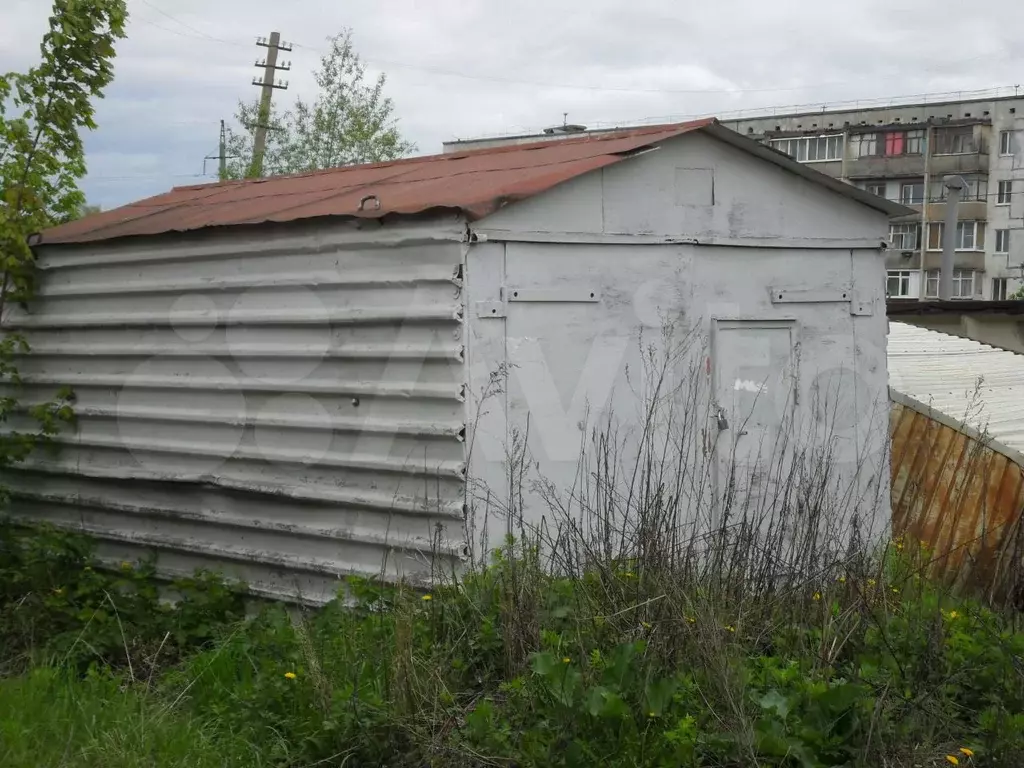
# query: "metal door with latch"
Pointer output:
{"type": "Point", "coordinates": [754, 365]}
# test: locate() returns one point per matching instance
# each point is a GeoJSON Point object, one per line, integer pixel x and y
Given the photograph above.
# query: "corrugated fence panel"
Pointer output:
{"type": "Point", "coordinates": [962, 496]}
{"type": "Point", "coordinates": [288, 408]}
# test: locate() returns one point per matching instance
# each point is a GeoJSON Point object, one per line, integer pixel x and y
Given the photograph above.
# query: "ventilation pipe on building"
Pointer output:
{"type": "Point", "coordinates": [954, 187]}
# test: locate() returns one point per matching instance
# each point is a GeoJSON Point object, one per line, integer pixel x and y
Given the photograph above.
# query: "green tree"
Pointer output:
{"type": "Point", "coordinates": [42, 114]}
{"type": "Point", "coordinates": [350, 121]}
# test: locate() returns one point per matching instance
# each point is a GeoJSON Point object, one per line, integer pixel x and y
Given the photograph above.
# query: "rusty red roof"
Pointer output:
{"type": "Point", "coordinates": [476, 182]}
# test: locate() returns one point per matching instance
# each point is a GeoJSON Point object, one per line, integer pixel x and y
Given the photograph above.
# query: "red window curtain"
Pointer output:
{"type": "Point", "coordinates": [894, 143]}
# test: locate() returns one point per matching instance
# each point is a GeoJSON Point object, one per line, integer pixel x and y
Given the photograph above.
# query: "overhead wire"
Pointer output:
{"type": "Point", "coordinates": [444, 72]}
{"type": "Point", "coordinates": [176, 20]}
{"type": "Point", "coordinates": [198, 34]}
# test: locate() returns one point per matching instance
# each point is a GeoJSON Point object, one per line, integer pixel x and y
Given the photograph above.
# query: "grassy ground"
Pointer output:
{"type": "Point", "coordinates": [661, 664]}
{"type": "Point", "coordinates": [49, 718]}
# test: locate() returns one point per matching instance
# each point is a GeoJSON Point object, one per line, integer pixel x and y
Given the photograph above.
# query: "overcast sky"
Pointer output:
{"type": "Point", "coordinates": [464, 68]}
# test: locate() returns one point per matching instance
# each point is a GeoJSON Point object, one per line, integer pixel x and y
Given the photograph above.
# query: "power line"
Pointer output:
{"type": "Point", "coordinates": [186, 25]}
{"type": "Point", "coordinates": [614, 89]}
{"type": "Point", "coordinates": [146, 176]}
{"type": "Point", "coordinates": [381, 63]}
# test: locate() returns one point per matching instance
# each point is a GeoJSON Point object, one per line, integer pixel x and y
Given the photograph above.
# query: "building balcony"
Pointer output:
{"type": "Point", "coordinates": [968, 210]}
{"type": "Point", "coordinates": [907, 166]}
{"type": "Point", "coordinates": [880, 167]}
{"type": "Point", "coordinates": [976, 162]}
{"type": "Point", "coordinates": [933, 260]}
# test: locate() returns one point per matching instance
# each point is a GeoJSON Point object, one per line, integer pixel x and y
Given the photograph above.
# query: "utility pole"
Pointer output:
{"type": "Point", "coordinates": [954, 187]}
{"type": "Point", "coordinates": [267, 85]}
{"type": "Point", "coordinates": [222, 155]}
{"type": "Point", "coordinates": [223, 152]}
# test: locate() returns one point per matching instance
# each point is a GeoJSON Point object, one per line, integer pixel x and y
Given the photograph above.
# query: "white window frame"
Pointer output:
{"type": "Point", "coordinates": [903, 231]}
{"type": "Point", "coordinates": [911, 201]}
{"type": "Point", "coordinates": [905, 285]}
{"type": "Point", "coordinates": [1002, 241]}
{"type": "Point", "coordinates": [916, 138]}
{"type": "Point", "coordinates": [1006, 143]}
{"type": "Point", "coordinates": [867, 144]}
{"type": "Point", "coordinates": [961, 278]}
{"type": "Point", "coordinates": [872, 185]}
{"type": "Point", "coordinates": [999, 288]}
{"type": "Point", "coordinates": [961, 230]}
{"type": "Point", "coordinates": [799, 147]}
{"type": "Point", "coordinates": [1004, 191]}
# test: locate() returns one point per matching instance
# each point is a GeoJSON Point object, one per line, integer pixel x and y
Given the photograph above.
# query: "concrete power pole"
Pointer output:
{"type": "Point", "coordinates": [267, 85]}
{"type": "Point", "coordinates": [954, 187]}
{"type": "Point", "coordinates": [223, 152]}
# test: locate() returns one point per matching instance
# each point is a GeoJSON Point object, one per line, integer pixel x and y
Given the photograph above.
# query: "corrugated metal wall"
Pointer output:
{"type": "Point", "coordinates": [287, 405]}
{"type": "Point", "coordinates": [959, 494]}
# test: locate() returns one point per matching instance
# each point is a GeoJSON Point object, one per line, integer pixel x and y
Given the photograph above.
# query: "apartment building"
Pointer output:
{"type": "Point", "coordinates": [903, 153]}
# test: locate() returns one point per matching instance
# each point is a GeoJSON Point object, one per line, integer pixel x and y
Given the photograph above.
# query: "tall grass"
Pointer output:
{"type": "Point", "coordinates": [52, 719]}
{"type": "Point", "coordinates": [660, 611]}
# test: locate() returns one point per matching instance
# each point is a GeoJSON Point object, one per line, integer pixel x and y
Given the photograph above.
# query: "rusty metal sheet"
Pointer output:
{"type": "Point", "coordinates": [475, 182]}
{"type": "Point", "coordinates": [959, 496]}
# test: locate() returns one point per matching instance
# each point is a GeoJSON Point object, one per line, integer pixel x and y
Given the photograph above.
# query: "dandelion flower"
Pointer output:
{"type": "Point", "coordinates": [841, 579]}
{"type": "Point", "coordinates": [566, 660]}
{"type": "Point", "coordinates": [966, 752]}
{"type": "Point", "coordinates": [895, 591]}
{"type": "Point", "coordinates": [290, 675]}
{"type": "Point", "coordinates": [953, 614]}
{"type": "Point", "coordinates": [691, 619]}
{"type": "Point", "coordinates": [871, 582]}
{"type": "Point", "coordinates": [730, 628]}
{"type": "Point", "coordinates": [817, 595]}
{"type": "Point", "coordinates": [952, 759]}
{"type": "Point", "coordinates": [651, 714]}
{"type": "Point", "coordinates": [426, 598]}
{"type": "Point", "coordinates": [126, 566]}
{"type": "Point", "coordinates": [645, 624]}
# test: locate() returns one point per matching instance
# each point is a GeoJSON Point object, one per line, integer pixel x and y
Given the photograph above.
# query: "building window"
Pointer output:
{"type": "Point", "coordinates": [1006, 142]}
{"type": "Point", "coordinates": [955, 141]}
{"type": "Point", "coordinates": [1005, 191]}
{"type": "Point", "coordinates": [864, 144]}
{"type": "Point", "coordinates": [898, 284]}
{"type": "Point", "coordinates": [970, 236]}
{"type": "Point", "coordinates": [876, 188]}
{"type": "Point", "coordinates": [894, 142]}
{"type": "Point", "coordinates": [975, 188]}
{"type": "Point", "coordinates": [999, 289]}
{"type": "Point", "coordinates": [912, 193]}
{"type": "Point", "coordinates": [812, 149]}
{"type": "Point", "coordinates": [1002, 241]}
{"type": "Point", "coordinates": [904, 237]}
{"type": "Point", "coordinates": [904, 142]}
{"type": "Point", "coordinates": [963, 284]}
{"type": "Point", "coordinates": [915, 143]}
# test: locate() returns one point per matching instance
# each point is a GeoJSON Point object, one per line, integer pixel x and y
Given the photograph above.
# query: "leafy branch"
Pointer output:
{"type": "Point", "coordinates": [42, 157]}
{"type": "Point", "coordinates": [350, 121]}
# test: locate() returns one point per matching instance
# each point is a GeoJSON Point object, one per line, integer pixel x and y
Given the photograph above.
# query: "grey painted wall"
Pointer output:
{"type": "Point", "coordinates": [576, 365]}
{"type": "Point", "coordinates": [286, 404]}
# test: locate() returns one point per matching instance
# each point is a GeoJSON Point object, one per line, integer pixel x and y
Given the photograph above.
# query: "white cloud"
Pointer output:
{"type": "Point", "coordinates": [470, 67]}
